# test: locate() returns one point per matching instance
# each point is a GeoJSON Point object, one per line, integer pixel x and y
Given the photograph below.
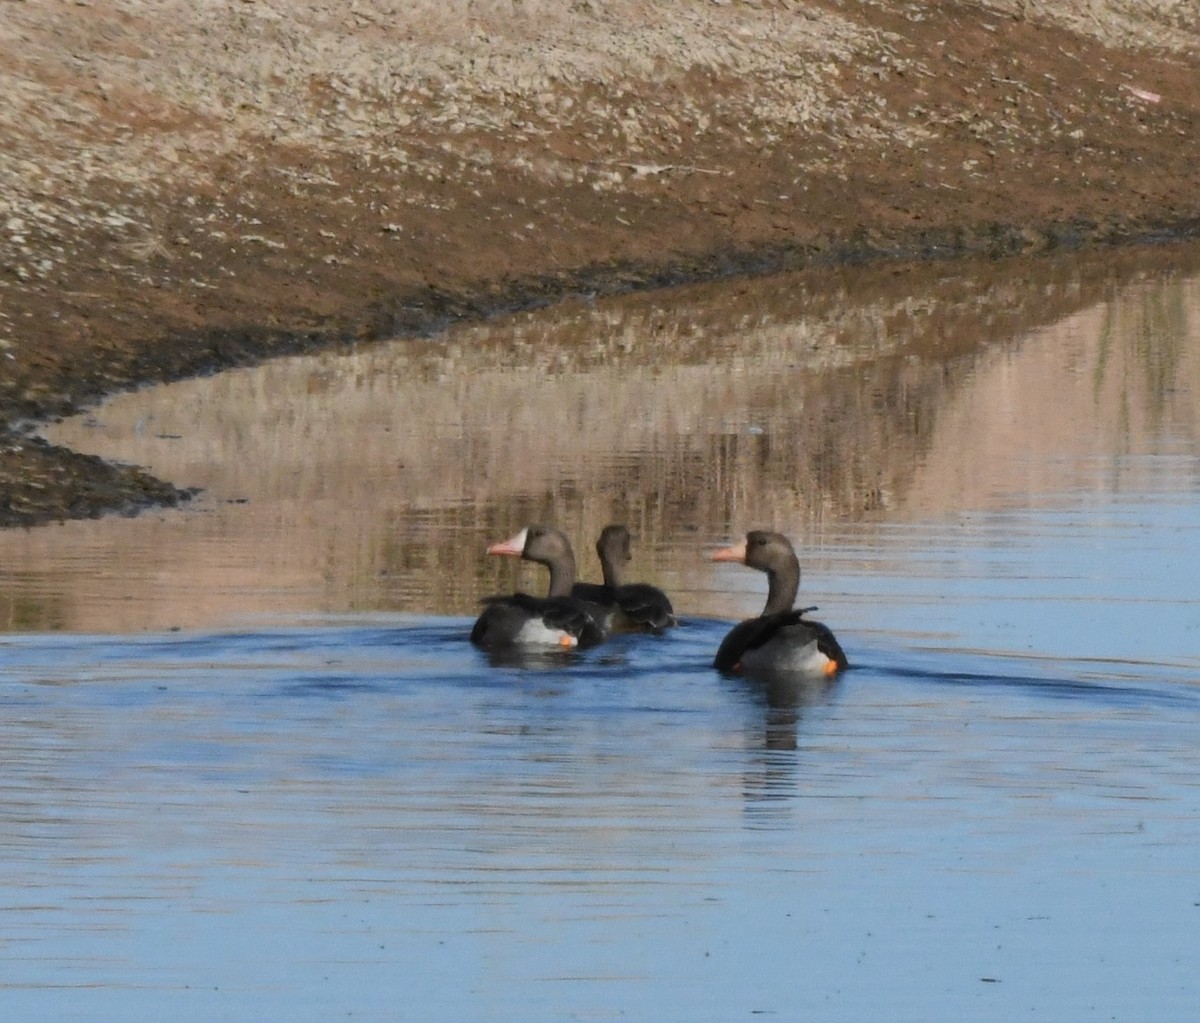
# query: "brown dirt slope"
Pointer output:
{"type": "Point", "coordinates": [189, 184]}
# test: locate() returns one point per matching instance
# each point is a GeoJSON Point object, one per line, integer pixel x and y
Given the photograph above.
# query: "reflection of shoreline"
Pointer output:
{"type": "Point", "coordinates": [374, 479]}
{"type": "Point", "coordinates": [1111, 381]}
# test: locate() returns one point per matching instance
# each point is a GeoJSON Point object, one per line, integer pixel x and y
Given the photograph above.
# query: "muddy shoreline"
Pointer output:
{"type": "Point", "coordinates": [192, 188]}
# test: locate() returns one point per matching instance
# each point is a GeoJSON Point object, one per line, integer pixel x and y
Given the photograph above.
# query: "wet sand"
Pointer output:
{"type": "Point", "coordinates": [188, 187]}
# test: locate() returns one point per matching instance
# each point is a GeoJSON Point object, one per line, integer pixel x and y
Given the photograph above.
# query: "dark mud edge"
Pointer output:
{"type": "Point", "coordinates": [42, 483]}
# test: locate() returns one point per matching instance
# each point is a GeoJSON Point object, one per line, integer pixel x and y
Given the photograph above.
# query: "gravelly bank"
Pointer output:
{"type": "Point", "coordinates": [191, 185]}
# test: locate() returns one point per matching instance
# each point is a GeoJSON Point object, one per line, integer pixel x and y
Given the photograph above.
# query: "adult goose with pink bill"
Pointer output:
{"type": "Point", "coordinates": [555, 621]}
{"type": "Point", "coordinates": [780, 639]}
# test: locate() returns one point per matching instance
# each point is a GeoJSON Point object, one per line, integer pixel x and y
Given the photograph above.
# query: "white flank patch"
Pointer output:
{"type": "Point", "coordinates": [784, 656]}
{"type": "Point", "coordinates": [536, 632]}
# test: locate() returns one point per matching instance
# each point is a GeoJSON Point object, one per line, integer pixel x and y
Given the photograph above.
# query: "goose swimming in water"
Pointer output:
{"type": "Point", "coordinates": [556, 621]}
{"type": "Point", "coordinates": [624, 607]}
{"type": "Point", "coordinates": [780, 639]}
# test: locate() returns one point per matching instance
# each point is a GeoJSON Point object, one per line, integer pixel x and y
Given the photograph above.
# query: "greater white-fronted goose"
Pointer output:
{"type": "Point", "coordinates": [521, 621]}
{"type": "Point", "coordinates": [624, 607]}
{"type": "Point", "coordinates": [780, 639]}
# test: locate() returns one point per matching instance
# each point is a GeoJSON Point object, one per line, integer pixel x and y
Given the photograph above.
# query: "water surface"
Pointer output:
{"type": "Point", "coordinates": [254, 769]}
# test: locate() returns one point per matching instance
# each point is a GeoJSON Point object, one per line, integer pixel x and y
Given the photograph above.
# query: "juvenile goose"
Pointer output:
{"type": "Point", "coordinates": [624, 607]}
{"type": "Point", "coordinates": [556, 621]}
{"type": "Point", "coordinates": [780, 639]}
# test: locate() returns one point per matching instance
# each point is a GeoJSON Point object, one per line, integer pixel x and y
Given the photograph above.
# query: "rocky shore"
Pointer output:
{"type": "Point", "coordinates": [186, 186]}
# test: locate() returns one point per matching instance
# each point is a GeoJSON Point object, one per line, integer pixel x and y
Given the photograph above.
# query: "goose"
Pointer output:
{"type": "Point", "coordinates": [624, 607]}
{"type": "Point", "coordinates": [556, 621]}
{"type": "Point", "coordinates": [780, 639]}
